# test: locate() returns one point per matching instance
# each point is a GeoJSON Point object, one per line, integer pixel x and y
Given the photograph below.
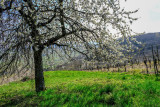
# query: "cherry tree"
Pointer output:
{"type": "Point", "coordinates": [29, 28]}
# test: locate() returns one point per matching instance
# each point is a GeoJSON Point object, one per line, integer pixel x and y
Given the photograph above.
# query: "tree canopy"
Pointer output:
{"type": "Point", "coordinates": [29, 28]}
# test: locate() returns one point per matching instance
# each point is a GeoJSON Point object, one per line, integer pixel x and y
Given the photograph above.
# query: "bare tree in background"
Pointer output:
{"type": "Point", "coordinates": [32, 28]}
{"type": "Point", "coordinates": [145, 62]}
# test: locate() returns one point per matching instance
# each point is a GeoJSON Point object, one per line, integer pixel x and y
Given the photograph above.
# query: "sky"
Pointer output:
{"type": "Point", "coordinates": [148, 14]}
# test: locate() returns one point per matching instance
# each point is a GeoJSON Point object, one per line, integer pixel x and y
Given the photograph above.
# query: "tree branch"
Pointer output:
{"type": "Point", "coordinates": [49, 21]}
{"type": "Point", "coordinates": [7, 8]}
{"type": "Point", "coordinates": [54, 39]}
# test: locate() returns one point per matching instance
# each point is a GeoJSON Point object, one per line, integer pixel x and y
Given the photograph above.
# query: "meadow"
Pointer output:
{"type": "Point", "coordinates": [85, 89]}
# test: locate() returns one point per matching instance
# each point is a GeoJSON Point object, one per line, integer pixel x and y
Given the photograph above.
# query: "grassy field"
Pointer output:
{"type": "Point", "coordinates": [81, 88]}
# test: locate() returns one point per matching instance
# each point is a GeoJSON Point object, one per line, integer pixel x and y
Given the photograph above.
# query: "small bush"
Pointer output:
{"type": "Point", "coordinates": [110, 100]}
{"type": "Point", "coordinates": [25, 79]}
{"type": "Point", "coordinates": [106, 90]}
{"type": "Point", "coordinates": [123, 78]}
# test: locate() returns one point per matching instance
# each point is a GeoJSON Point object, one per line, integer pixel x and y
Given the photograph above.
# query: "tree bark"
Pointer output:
{"type": "Point", "coordinates": [39, 77]}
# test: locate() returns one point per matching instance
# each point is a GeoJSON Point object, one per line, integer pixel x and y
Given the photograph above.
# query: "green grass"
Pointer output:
{"type": "Point", "coordinates": [80, 88]}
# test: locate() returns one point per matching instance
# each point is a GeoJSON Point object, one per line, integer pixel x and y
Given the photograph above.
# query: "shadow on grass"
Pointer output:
{"type": "Point", "coordinates": [19, 99]}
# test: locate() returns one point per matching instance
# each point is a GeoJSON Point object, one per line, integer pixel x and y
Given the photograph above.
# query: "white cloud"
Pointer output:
{"type": "Point", "coordinates": [148, 14]}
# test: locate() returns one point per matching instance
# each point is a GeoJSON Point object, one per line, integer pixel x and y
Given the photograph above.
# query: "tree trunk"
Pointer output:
{"type": "Point", "coordinates": [39, 77]}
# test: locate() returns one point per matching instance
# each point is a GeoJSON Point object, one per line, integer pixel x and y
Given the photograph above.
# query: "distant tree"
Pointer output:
{"type": "Point", "coordinates": [32, 28]}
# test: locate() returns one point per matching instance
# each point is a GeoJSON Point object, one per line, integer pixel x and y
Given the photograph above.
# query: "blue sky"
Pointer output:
{"type": "Point", "coordinates": [148, 14]}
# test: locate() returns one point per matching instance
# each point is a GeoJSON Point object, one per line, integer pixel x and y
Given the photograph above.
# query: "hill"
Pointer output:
{"type": "Point", "coordinates": [148, 40]}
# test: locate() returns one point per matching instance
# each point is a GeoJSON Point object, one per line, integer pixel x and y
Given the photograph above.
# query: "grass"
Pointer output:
{"type": "Point", "coordinates": [80, 88]}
